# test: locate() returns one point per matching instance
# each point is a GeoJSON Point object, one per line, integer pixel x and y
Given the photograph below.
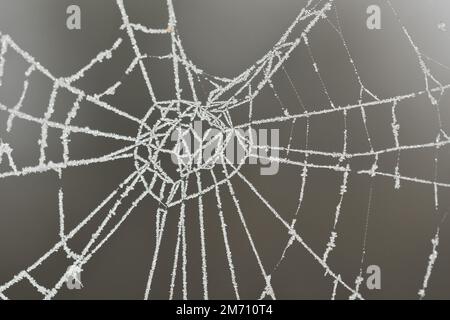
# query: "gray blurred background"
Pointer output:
{"type": "Point", "coordinates": [224, 38]}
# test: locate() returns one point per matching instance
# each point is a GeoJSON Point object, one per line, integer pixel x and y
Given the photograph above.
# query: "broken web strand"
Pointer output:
{"type": "Point", "coordinates": [432, 258]}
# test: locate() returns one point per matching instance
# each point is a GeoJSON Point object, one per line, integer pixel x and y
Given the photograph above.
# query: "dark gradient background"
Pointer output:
{"type": "Point", "coordinates": [224, 37]}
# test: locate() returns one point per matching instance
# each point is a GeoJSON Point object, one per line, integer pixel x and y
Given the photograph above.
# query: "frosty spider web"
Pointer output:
{"type": "Point", "coordinates": [213, 100]}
